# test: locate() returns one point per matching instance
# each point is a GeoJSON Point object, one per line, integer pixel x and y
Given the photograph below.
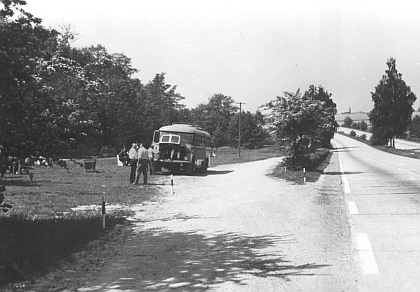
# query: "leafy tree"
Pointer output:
{"type": "Point", "coordinates": [393, 106]}
{"type": "Point", "coordinates": [363, 126]}
{"type": "Point", "coordinates": [162, 106]}
{"type": "Point", "coordinates": [215, 117]}
{"type": "Point", "coordinates": [24, 45]}
{"type": "Point", "coordinates": [329, 107]}
{"type": "Point", "coordinates": [253, 134]}
{"type": "Point", "coordinates": [299, 122]}
{"type": "Point", "coordinates": [348, 122]}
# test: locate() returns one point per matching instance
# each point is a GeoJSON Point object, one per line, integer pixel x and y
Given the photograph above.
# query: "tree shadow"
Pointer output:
{"type": "Point", "coordinates": [31, 247]}
{"type": "Point", "coordinates": [209, 172]}
{"type": "Point", "coordinates": [217, 172]}
{"type": "Point", "coordinates": [340, 173]}
{"type": "Point", "coordinates": [22, 181]}
{"type": "Point", "coordinates": [190, 261]}
{"type": "Point", "coordinates": [343, 149]}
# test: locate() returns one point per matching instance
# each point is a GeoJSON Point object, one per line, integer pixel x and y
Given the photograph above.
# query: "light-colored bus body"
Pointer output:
{"type": "Point", "coordinates": [182, 146]}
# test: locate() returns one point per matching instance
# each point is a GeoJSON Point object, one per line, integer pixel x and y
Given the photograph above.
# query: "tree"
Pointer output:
{"type": "Point", "coordinates": [162, 106]}
{"type": "Point", "coordinates": [24, 46]}
{"type": "Point", "coordinates": [393, 106]}
{"type": "Point", "coordinates": [347, 122]}
{"type": "Point", "coordinates": [300, 123]}
{"type": "Point", "coordinates": [363, 126]}
{"type": "Point", "coordinates": [215, 117]}
{"type": "Point", "coordinates": [329, 109]}
{"type": "Point", "coordinates": [253, 134]}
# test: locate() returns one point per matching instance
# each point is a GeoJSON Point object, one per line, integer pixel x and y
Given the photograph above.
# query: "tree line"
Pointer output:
{"type": "Point", "coordinates": [56, 99]}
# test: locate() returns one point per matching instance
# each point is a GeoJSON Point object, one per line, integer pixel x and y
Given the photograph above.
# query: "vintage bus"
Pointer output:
{"type": "Point", "coordinates": [182, 147]}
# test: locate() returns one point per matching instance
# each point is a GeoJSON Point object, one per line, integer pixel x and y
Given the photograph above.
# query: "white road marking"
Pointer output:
{"type": "Point", "coordinates": [343, 177]}
{"type": "Point", "coordinates": [353, 208]}
{"type": "Point", "coordinates": [365, 253]}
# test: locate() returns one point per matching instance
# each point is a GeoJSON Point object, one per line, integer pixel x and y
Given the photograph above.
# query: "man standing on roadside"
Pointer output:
{"type": "Point", "coordinates": [143, 156]}
{"type": "Point", "coordinates": [132, 155]}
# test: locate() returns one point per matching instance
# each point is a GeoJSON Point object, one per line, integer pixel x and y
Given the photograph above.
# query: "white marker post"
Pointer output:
{"type": "Point", "coordinates": [172, 184]}
{"type": "Point", "coordinates": [103, 213]}
{"type": "Point", "coordinates": [304, 175]}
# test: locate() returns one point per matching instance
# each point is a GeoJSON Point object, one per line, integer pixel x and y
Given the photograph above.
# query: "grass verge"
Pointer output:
{"type": "Point", "coordinates": [310, 175]}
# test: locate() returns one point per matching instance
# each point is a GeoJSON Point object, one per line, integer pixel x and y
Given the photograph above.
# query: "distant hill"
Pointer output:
{"type": "Point", "coordinates": [357, 117]}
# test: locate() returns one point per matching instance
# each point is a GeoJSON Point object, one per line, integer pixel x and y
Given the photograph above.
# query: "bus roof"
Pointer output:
{"type": "Point", "coordinates": [183, 128]}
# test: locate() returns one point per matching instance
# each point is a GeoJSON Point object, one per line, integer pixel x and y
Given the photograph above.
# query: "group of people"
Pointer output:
{"type": "Point", "coordinates": [141, 159]}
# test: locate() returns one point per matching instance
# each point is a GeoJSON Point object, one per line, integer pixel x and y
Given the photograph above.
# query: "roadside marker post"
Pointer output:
{"type": "Point", "coordinates": [304, 175]}
{"type": "Point", "coordinates": [103, 212]}
{"type": "Point", "coordinates": [172, 184]}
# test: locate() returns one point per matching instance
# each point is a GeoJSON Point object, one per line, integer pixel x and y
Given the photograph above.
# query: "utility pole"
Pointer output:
{"type": "Point", "coordinates": [240, 111]}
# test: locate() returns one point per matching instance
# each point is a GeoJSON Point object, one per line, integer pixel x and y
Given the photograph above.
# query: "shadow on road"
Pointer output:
{"type": "Point", "coordinates": [340, 173]}
{"type": "Point", "coordinates": [188, 261]}
{"type": "Point", "coordinates": [209, 172]}
{"type": "Point", "coordinates": [343, 149]}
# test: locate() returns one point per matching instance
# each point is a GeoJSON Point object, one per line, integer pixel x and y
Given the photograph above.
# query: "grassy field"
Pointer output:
{"type": "Point", "coordinates": [41, 236]}
{"type": "Point", "coordinates": [227, 155]}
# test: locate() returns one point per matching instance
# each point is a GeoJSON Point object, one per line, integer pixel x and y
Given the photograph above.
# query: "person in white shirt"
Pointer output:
{"type": "Point", "coordinates": [132, 155]}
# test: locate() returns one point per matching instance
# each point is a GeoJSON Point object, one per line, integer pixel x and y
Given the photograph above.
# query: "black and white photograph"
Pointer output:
{"type": "Point", "coordinates": [247, 146]}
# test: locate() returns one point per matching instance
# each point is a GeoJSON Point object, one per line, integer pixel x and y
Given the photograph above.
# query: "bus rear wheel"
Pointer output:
{"type": "Point", "coordinates": [205, 166]}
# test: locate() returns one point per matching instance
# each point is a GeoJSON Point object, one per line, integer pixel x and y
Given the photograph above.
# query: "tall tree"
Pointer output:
{"type": "Point", "coordinates": [215, 116]}
{"type": "Point", "coordinates": [299, 122]}
{"type": "Point", "coordinates": [253, 134]}
{"type": "Point", "coordinates": [162, 106]}
{"type": "Point", "coordinates": [393, 106]}
{"type": "Point", "coordinates": [24, 45]}
{"type": "Point", "coordinates": [330, 109]}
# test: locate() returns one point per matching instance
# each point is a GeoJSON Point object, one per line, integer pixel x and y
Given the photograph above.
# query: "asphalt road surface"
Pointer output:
{"type": "Point", "coordinates": [382, 194]}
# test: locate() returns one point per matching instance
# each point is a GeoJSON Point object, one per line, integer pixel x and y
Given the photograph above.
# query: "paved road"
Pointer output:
{"type": "Point", "coordinates": [399, 143]}
{"type": "Point", "coordinates": [382, 193]}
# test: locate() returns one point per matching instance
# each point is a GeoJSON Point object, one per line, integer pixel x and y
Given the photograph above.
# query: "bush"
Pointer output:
{"type": "Point", "coordinates": [363, 126]}
{"type": "Point", "coordinates": [309, 162]}
{"type": "Point", "coordinates": [376, 139]}
{"type": "Point", "coordinates": [363, 137]}
{"type": "Point", "coordinates": [352, 134]}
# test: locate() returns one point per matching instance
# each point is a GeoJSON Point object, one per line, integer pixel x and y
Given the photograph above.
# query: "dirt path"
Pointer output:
{"type": "Point", "coordinates": [237, 229]}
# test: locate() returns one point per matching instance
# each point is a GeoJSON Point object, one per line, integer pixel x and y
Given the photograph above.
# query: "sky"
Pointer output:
{"type": "Point", "coordinates": [252, 51]}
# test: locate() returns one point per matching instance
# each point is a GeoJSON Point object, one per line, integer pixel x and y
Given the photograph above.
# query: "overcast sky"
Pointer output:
{"type": "Point", "coordinates": [252, 51]}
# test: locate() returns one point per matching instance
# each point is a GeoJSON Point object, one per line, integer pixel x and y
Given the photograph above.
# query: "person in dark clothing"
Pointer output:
{"type": "Point", "coordinates": [123, 156]}
{"type": "Point", "coordinates": [143, 157]}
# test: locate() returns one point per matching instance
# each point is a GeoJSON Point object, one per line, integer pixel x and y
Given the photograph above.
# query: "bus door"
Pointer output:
{"type": "Point", "coordinates": [156, 136]}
